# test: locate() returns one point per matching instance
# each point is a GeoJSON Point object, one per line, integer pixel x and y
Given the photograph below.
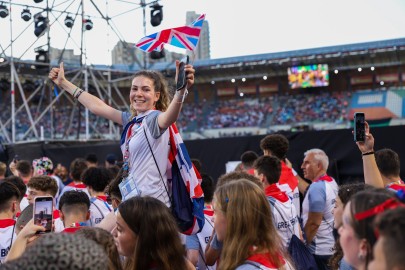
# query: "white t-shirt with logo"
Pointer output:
{"type": "Point", "coordinates": [320, 198]}
{"type": "Point", "coordinates": [7, 237]}
{"type": "Point", "coordinates": [200, 240]}
{"type": "Point", "coordinates": [285, 219]}
{"type": "Point", "coordinates": [142, 167]}
{"type": "Point", "coordinates": [99, 208]}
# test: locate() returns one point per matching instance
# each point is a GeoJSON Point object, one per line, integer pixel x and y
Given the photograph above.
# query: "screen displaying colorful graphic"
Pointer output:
{"type": "Point", "coordinates": [308, 76]}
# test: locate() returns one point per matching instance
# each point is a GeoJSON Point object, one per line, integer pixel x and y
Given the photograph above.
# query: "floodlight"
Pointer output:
{"type": "Point", "coordinates": [26, 14]}
{"type": "Point", "coordinates": [41, 24]}
{"type": "Point", "coordinates": [88, 24]}
{"type": "Point", "coordinates": [156, 15]}
{"type": "Point", "coordinates": [155, 55]}
{"type": "Point", "coordinates": [42, 56]}
{"type": "Point", "coordinates": [3, 10]}
{"type": "Point", "coordinates": [69, 21]}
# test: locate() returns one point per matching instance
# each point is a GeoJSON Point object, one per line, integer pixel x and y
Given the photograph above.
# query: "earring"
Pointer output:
{"type": "Point", "coordinates": [360, 256]}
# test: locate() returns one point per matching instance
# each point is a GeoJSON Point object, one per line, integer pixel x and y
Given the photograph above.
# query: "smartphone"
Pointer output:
{"type": "Point", "coordinates": [181, 76]}
{"type": "Point", "coordinates": [43, 212]}
{"type": "Point", "coordinates": [359, 127]}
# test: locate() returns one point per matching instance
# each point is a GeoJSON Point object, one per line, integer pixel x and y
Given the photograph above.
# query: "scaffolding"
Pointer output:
{"type": "Point", "coordinates": [46, 112]}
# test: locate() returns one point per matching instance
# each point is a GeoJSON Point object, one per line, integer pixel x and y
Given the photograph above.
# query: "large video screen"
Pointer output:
{"type": "Point", "coordinates": [308, 76]}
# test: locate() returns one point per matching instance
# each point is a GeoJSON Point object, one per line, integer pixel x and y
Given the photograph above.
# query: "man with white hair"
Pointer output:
{"type": "Point", "coordinates": [317, 206]}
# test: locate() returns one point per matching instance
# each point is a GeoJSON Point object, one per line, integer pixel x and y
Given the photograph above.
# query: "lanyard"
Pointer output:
{"type": "Point", "coordinates": [137, 123]}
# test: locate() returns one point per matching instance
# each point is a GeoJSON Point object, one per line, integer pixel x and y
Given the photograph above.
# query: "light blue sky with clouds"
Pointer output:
{"type": "Point", "coordinates": [236, 27]}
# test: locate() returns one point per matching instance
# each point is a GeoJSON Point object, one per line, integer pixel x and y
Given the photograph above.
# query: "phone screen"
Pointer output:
{"type": "Point", "coordinates": [181, 77]}
{"type": "Point", "coordinates": [359, 127]}
{"type": "Point", "coordinates": [43, 212]}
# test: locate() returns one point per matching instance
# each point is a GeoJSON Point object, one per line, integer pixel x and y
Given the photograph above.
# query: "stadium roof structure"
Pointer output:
{"type": "Point", "coordinates": [377, 53]}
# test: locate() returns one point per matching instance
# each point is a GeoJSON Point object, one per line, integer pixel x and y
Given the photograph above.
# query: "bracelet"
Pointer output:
{"type": "Point", "coordinates": [75, 91]}
{"type": "Point", "coordinates": [183, 97]}
{"type": "Point", "coordinates": [79, 93]}
{"type": "Point", "coordinates": [368, 153]}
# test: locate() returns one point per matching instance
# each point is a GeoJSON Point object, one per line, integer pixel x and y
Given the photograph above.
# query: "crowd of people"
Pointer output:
{"type": "Point", "coordinates": [325, 107]}
{"type": "Point", "coordinates": [254, 218]}
{"type": "Point", "coordinates": [199, 116]}
{"type": "Point", "coordinates": [119, 215]}
{"type": "Point", "coordinates": [237, 113]}
{"type": "Point", "coordinates": [61, 115]}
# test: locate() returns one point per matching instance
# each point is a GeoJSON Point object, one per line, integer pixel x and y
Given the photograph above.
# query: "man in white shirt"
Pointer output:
{"type": "Point", "coordinates": [317, 206]}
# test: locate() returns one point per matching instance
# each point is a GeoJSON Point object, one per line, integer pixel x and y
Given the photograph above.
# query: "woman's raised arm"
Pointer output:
{"type": "Point", "coordinates": [93, 103]}
{"type": "Point", "coordinates": [170, 116]}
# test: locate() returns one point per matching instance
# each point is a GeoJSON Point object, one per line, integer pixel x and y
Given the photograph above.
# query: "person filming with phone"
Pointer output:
{"type": "Point", "coordinates": [145, 126]}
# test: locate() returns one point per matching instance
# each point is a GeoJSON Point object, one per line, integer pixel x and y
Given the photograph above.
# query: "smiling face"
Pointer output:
{"type": "Point", "coordinates": [125, 239]}
{"type": "Point", "coordinates": [143, 96]}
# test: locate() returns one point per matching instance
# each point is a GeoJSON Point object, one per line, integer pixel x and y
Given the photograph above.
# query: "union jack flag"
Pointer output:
{"type": "Point", "coordinates": [187, 194]}
{"type": "Point", "coordinates": [185, 37]}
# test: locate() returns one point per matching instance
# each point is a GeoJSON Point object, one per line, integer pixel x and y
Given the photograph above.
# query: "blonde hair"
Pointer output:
{"type": "Point", "coordinates": [160, 85]}
{"type": "Point", "coordinates": [249, 224]}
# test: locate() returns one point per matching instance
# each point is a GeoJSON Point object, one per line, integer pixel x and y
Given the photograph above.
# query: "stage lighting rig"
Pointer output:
{"type": "Point", "coordinates": [26, 14]}
{"type": "Point", "coordinates": [156, 15]}
{"type": "Point", "coordinates": [42, 54]}
{"type": "Point", "coordinates": [3, 10]}
{"type": "Point", "coordinates": [69, 21]}
{"type": "Point", "coordinates": [155, 55]}
{"type": "Point", "coordinates": [88, 24]}
{"type": "Point", "coordinates": [41, 24]}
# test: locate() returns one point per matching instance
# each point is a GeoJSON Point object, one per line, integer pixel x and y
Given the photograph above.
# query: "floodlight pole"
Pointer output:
{"type": "Point", "coordinates": [12, 80]}
{"type": "Point", "coordinates": [144, 31]}
{"type": "Point", "coordinates": [86, 82]}
{"type": "Point", "coordinates": [49, 67]}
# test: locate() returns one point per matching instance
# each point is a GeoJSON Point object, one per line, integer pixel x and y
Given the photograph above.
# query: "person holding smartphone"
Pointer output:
{"type": "Point", "coordinates": [145, 125]}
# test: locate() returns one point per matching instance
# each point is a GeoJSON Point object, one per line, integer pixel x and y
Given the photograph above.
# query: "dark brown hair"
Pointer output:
{"type": "Point", "coordinates": [43, 183]}
{"type": "Point", "coordinates": [391, 226]}
{"type": "Point", "coordinates": [158, 239]}
{"type": "Point", "coordinates": [270, 167]}
{"type": "Point", "coordinates": [276, 143]}
{"type": "Point", "coordinates": [345, 192]}
{"type": "Point", "coordinates": [364, 229]}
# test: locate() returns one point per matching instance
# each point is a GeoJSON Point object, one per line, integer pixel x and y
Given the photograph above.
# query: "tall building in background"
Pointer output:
{"type": "Point", "coordinates": [68, 56]}
{"type": "Point", "coordinates": [203, 48]}
{"type": "Point", "coordinates": [124, 53]}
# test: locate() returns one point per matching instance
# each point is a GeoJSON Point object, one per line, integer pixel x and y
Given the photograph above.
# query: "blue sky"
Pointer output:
{"type": "Point", "coordinates": [236, 27]}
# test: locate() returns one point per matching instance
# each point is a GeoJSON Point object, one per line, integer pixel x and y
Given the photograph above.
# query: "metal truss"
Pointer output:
{"type": "Point", "coordinates": [40, 110]}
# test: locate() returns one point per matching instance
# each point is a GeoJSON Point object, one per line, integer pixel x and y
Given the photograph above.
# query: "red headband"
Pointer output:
{"type": "Point", "coordinates": [388, 204]}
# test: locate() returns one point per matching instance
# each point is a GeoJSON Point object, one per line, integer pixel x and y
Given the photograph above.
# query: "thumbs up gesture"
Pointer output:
{"type": "Point", "coordinates": [57, 75]}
